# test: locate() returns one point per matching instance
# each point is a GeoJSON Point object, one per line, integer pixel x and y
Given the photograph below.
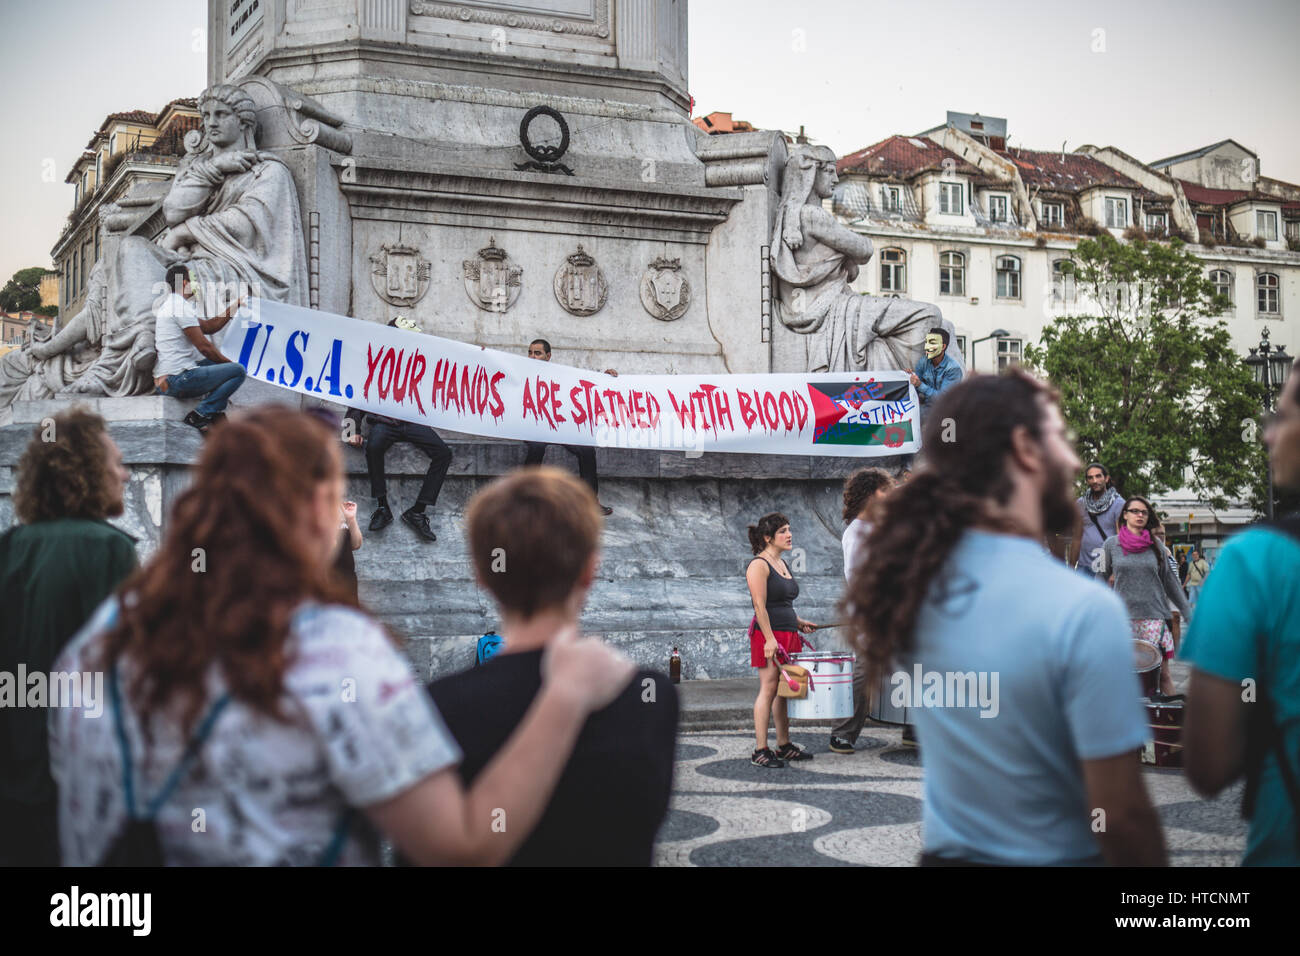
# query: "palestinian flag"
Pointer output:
{"type": "Point", "coordinates": [859, 413]}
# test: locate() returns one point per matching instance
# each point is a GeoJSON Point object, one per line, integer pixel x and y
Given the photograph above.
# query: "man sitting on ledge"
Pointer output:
{"type": "Point", "coordinates": [189, 365]}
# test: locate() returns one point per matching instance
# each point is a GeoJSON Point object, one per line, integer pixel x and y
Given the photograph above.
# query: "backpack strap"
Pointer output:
{"type": "Point", "coordinates": [335, 847]}
{"type": "Point", "coordinates": [1265, 735]}
{"type": "Point", "coordinates": [182, 766]}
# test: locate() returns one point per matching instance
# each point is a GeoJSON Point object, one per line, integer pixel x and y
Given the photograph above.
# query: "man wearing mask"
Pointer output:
{"type": "Point", "coordinates": [1100, 509]}
{"type": "Point", "coordinates": [936, 371]}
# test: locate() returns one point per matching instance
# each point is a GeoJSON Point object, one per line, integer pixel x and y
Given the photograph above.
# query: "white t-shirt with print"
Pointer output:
{"type": "Point", "coordinates": [361, 730]}
{"type": "Point", "coordinates": [176, 353]}
{"type": "Point", "coordinates": [853, 541]}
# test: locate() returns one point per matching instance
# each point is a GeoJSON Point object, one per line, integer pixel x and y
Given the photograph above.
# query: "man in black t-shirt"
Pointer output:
{"type": "Point", "coordinates": [533, 539]}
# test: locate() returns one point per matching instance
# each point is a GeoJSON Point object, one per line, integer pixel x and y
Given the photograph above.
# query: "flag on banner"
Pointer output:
{"type": "Point", "coordinates": [468, 388]}
{"type": "Point", "coordinates": [861, 413]}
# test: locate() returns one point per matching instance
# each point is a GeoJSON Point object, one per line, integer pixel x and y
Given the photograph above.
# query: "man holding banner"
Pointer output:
{"type": "Point", "coordinates": [540, 349]}
{"type": "Point", "coordinates": [386, 432]}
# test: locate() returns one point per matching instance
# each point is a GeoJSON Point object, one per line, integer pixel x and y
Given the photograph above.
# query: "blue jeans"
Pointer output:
{"type": "Point", "coordinates": [216, 381]}
{"type": "Point", "coordinates": [1193, 593]}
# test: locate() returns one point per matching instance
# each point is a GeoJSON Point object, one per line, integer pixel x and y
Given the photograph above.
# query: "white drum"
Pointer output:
{"type": "Point", "coordinates": [830, 692]}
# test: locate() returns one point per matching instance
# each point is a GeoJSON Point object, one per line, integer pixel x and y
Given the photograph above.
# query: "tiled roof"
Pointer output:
{"type": "Point", "coordinates": [1212, 197]}
{"type": "Point", "coordinates": [1205, 196]}
{"type": "Point", "coordinates": [1195, 154]}
{"type": "Point", "coordinates": [172, 141]}
{"type": "Point", "coordinates": [902, 157]}
{"type": "Point", "coordinates": [129, 116]}
{"type": "Point", "coordinates": [1068, 173]}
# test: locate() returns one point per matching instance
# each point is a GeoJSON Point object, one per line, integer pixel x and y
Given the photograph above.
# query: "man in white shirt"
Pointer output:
{"type": "Point", "coordinates": [864, 490]}
{"type": "Point", "coordinates": [188, 364]}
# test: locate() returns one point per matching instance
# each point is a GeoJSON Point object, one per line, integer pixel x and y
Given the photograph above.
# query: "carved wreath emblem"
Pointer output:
{"type": "Point", "coordinates": [490, 281]}
{"type": "Point", "coordinates": [580, 286]}
{"type": "Point", "coordinates": [400, 276]}
{"type": "Point", "coordinates": [665, 293]}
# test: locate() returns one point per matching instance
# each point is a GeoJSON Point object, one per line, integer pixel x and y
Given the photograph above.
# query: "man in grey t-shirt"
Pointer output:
{"type": "Point", "coordinates": [188, 364]}
{"type": "Point", "coordinates": [1018, 675]}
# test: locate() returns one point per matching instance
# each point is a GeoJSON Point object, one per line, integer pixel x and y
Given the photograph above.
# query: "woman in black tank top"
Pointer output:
{"type": "Point", "coordinates": [772, 588]}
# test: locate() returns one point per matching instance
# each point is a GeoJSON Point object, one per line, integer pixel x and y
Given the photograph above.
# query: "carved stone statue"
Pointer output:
{"type": "Point", "coordinates": [233, 213]}
{"type": "Point", "coordinates": [45, 366]}
{"type": "Point", "coordinates": [234, 221]}
{"type": "Point", "coordinates": [814, 258]}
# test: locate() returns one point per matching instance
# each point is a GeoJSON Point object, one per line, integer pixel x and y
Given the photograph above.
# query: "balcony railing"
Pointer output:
{"type": "Point", "coordinates": [983, 218]}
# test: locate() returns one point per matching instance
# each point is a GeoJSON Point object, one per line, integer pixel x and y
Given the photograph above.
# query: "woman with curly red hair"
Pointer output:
{"type": "Point", "coordinates": [304, 730]}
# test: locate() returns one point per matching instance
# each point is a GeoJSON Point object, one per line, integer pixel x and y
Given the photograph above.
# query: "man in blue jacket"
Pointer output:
{"type": "Point", "coordinates": [936, 371]}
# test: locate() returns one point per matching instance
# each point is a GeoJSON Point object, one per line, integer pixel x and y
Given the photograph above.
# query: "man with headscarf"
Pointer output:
{"type": "Point", "coordinates": [1100, 509]}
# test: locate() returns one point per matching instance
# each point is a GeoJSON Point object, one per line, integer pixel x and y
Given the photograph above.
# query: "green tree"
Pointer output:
{"type": "Point", "coordinates": [1149, 379]}
{"type": "Point", "coordinates": [22, 293]}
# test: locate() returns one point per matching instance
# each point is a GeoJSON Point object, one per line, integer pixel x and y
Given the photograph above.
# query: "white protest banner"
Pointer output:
{"type": "Point", "coordinates": [468, 388]}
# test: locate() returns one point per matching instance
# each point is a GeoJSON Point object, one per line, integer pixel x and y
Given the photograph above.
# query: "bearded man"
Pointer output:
{"type": "Point", "coordinates": [1017, 675]}
{"type": "Point", "coordinates": [1100, 510]}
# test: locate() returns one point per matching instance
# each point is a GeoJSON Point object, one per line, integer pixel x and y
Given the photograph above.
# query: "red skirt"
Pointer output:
{"type": "Point", "coordinates": [789, 641]}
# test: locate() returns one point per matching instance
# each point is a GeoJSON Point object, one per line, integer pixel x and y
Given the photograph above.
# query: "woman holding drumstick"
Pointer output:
{"type": "Point", "coordinates": [772, 588]}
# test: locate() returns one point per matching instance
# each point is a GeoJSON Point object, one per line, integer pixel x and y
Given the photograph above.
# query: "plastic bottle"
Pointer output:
{"type": "Point", "coordinates": [675, 667]}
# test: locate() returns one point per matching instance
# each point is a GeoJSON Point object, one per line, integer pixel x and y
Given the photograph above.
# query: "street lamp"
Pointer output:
{"type": "Point", "coordinates": [1271, 366]}
{"type": "Point", "coordinates": [997, 334]}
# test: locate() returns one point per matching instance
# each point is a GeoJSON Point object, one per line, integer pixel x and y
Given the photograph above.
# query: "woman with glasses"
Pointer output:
{"type": "Point", "coordinates": [1134, 562]}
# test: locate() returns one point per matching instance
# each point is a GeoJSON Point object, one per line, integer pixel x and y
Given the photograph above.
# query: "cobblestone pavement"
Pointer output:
{"type": "Point", "coordinates": [865, 808]}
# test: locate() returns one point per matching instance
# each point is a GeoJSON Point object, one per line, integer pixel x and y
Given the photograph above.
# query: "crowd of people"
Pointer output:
{"type": "Point", "coordinates": [260, 691]}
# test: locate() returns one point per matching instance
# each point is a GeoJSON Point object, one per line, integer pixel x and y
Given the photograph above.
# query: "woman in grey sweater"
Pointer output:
{"type": "Point", "coordinates": [1134, 563]}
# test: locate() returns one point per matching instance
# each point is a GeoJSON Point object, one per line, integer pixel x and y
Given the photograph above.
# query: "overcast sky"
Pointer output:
{"type": "Point", "coordinates": [1154, 78]}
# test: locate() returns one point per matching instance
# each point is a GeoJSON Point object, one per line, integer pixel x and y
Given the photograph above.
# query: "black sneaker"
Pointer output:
{"type": "Point", "coordinates": [217, 418]}
{"type": "Point", "coordinates": [381, 519]}
{"type": "Point", "coordinates": [791, 752]}
{"type": "Point", "coordinates": [840, 746]}
{"type": "Point", "coordinates": [195, 420]}
{"type": "Point", "coordinates": [605, 511]}
{"type": "Point", "coordinates": [420, 522]}
{"type": "Point", "coordinates": [765, 758]}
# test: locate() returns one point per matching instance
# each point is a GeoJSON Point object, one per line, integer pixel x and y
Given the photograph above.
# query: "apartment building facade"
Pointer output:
{"type": "Point", "coordinates": [988, 233]}
{"type": "Point", "coordinates": [128, 147]}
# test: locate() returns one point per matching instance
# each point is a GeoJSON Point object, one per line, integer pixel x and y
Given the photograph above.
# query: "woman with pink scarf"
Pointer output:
{"type": "Point", "coordinates": [1134, 561]}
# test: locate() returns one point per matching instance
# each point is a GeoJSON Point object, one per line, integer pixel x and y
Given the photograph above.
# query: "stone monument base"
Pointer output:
{"type": "Point", "coordinates": [674, 551]}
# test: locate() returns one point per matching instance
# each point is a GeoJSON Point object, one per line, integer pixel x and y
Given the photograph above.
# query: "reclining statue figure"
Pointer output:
{"type": "Point", "coordinates": [234, 222]}
{"type": "Point", "coordinates": [815, 257]}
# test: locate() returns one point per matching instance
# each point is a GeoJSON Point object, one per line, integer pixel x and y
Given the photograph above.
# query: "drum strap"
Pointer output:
{"type": "Point", "coordinates": [1264, 734]}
